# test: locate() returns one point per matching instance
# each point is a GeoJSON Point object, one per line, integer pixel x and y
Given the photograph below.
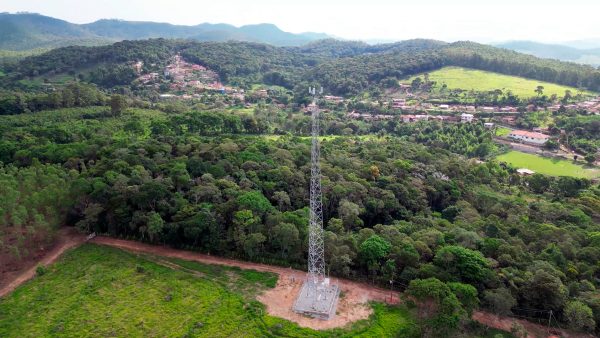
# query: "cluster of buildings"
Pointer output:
{"type": "Point", "coordinates": [591, 106]}
{"type": "Point", "coordinates": [408, 118]}
{"type": "Point", "coordinates": [183, 76]}
{"type": "Point", "coordinates": [431, 107]}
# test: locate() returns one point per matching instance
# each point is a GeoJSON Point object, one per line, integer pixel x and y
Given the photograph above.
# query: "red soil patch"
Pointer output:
{"type": "Point", "coordinates": [352, 306]}
{"type": "Point", "coordinates": [533, 330]}
{"type": "Point", "coordinates": [24, 270]}
{"type": "Point", "coordinates": [279, 300]}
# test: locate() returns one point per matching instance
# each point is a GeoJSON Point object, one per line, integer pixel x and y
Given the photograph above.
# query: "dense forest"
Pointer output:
{"type": "Point", "coordinates": [399, 202]}
{"type": "Point", "coordinates": [344, 68]}
{"type": "Point", "coordinates": [423, 204]}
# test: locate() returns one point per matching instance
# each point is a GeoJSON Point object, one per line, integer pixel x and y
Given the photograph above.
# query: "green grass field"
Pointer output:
{"type": "Point", "coordinates": [101, 291]}
{"type": "Point", "coordinates": [478, 80]}
{"type": "Point", "coordinates": [547, 166]}
{"type": "Point", "coordinates": [502, 131]}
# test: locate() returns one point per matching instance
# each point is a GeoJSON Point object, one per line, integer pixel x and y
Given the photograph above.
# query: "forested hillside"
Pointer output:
{"type": "Point", "coordinates": [27, 31]}
{"type": "Point", "coordinates": [343, 68]}
{"type": "Point", "coordinates": [198, 180]}
{"type": "Point", "coordinates": [205, 146]}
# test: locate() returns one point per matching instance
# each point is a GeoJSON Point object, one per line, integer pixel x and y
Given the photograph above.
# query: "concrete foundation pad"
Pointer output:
{"type": "Point", "coordinates": [321, 304]}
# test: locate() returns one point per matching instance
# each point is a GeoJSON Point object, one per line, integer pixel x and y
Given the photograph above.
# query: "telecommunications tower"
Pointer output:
{"type": "Point", "coordinates": [318, 297]}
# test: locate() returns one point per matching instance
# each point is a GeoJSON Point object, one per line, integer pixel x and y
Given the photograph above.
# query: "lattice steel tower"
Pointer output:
{"type": "Point", "coordinates": [316, 251]}
{"type": "Point", "coordinates": [317, 298]}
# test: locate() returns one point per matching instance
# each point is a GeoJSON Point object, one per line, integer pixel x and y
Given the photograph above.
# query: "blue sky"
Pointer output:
{"type": "Point", "coordinates": [451, 20]}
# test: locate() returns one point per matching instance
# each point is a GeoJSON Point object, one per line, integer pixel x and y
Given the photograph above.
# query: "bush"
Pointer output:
{"type": "Point", "coordinates": [41, 270]}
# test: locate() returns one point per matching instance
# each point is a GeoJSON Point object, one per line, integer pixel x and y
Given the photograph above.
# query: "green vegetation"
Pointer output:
{"type": "Point", "coordinates": [34, 202]}
{"type": "Point", "coordinates": [366, 69]}
{"type": "Point", "coordinates": [402, 201]}
{"type": "Point", "coordinates": [583, 132]}
{"type": "Point", "coordinates": [548, 166]}
{"type": "Point", "coordinates": [502, 131]}
{"type": "Point", "coordinates": [479, 80]}
{"type": "Point", "coordinates": [101, 291]}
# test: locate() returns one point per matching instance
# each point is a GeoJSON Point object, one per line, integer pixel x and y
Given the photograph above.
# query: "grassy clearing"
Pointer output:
{"type": "Point", "coordinates": [548, 166]}
{"type": "Point", "coordinates": [101, 291]}
{"type": "Point", "coordinates": [478, 80]}
{"type": "Point", "coordinates": [242, 111]}
{"type": "Point", "coordinates": [502, 131]}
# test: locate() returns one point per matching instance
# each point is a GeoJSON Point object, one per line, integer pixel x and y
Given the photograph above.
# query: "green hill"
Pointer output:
{"type": "Point", "coordinates": [344, 68]}
{"type": "Point", "coordinates": [25, 31]}
{"type": "Point", "coordinates": [479, 80]}
{"type": "Point", "coordinates": [20, 32]}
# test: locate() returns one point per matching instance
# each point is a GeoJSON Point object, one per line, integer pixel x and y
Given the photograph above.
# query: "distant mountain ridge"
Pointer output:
{"type": "Point", "coordinates": [555, 51]}
{"type": "Point", "coordinates": [26, 31]}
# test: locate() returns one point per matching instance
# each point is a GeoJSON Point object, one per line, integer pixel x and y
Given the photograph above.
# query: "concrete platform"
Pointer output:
{"type": "Point", "coordinates": [322, 305]}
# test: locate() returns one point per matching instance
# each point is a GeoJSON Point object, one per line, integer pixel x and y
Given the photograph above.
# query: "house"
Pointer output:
{"type": "Point", "coordinates": [262, 93]}
{"type": "Point", "coordinates": [489, 125]}
{"type": "Point", "coordinates": [530, 137]}
{"type": "Point", "coordinates": [353, 115]}
{"type": "Point", "coordinates": [138, 67]}
{"type": "Point", "coordinates": [408, 118]}
{"type": "Point", "coordinates": [333, 99]}
{"type": "Point", "coordinates": [508, 109]}
{"type": "Point", "coordinates": [487, 109]}
{"type": "Point", "coordinates": [466, 118]}
{"type": "Point", "coordinates": [398, 103]}
{"type": "Point", "coordinates": [525, 172]}
{"type": "Point", "coordinates": [510, 120]}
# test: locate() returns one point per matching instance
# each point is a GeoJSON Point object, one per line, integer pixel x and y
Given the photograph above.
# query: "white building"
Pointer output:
{"type": "Point", "coordinates": [466, 118]}
{"type": "Point", "coordinates": [489, 125]}
{"type": "Point", "coordinates": [525, 172]}
{"type": "Point", "coordinates": [529, 137]}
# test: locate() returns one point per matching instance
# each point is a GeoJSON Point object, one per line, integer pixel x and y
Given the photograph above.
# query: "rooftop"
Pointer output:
{"type": "Point", "coordinates": [530, 134]}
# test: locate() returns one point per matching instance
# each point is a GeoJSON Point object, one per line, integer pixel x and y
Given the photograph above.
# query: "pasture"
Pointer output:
{"type": "Point", "coordinates": [101, 291]}
{"type": "Point", "coordinates": [478, 80]}
{"type": "Point", "coordinates": [548, 166]}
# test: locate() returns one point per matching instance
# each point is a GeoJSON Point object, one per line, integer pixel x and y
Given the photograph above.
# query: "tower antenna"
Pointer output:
{"type": "Point", "coordinates": [318, 297]}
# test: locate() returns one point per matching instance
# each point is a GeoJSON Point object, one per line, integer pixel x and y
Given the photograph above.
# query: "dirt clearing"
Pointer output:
{"type": "Point", "coordinates": [353, 304]}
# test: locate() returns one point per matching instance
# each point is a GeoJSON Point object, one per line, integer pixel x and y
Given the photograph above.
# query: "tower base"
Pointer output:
{"type": "Point", "coordinates": [320, 304]}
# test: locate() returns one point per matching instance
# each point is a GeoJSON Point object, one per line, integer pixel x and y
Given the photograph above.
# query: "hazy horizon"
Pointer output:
{"type": "Point", "coordinates": [380, 20]}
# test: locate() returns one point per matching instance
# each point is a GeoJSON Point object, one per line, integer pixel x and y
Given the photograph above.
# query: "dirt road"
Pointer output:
{"type": "Point", "coordinates": [353, 303]}
{"type": "Point", "coordinates": [67, 238]}
{"type": "Point", "coordinates": [352, 306]}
